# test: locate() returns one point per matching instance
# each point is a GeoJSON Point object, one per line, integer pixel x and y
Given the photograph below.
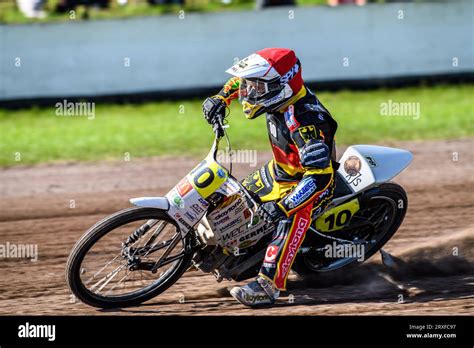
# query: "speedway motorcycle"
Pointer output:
{"type": "Point", "coordinates": [208, 222]}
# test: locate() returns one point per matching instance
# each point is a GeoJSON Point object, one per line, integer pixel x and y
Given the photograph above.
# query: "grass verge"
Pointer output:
{"type": "Point", "coordinates": [177, 128]}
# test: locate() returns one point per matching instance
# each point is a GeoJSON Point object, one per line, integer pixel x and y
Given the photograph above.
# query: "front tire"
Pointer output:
{"type": "Point", "coordinates": [74, 268]}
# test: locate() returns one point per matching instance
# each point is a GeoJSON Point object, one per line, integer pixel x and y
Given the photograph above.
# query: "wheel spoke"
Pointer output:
{"type": "Point", "coordinates": [99, 271]}
{"type": "Point", "coordinates": [107, 278]}
{"type": "Point", "coordinates": [129, 271]}
{"type": "Point", "coordinates": [118, 283]}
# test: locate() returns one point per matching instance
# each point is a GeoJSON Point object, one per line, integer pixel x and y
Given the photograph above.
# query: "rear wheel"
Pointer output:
{"type": "Point", "coordinates": [376, 222]}
{"type": "Point", "coordinates": [128, 258]}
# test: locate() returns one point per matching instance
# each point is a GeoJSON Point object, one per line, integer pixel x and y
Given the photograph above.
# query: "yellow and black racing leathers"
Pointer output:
{"type": "Point", "coordinates": [300, 177]}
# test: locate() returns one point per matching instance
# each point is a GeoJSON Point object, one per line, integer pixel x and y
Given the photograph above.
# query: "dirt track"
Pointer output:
{"type": "Point", "coordinates": [35, 209]}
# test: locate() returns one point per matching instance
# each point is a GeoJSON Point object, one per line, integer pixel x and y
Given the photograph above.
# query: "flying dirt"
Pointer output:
{"type": "Point", "coordinates": [50, 206]}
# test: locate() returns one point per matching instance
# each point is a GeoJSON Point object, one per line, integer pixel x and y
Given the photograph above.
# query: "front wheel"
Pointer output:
{"type": "Point", "coordinates": [376, 221]}
{"type": "Point", "coordinates": [128, 258]}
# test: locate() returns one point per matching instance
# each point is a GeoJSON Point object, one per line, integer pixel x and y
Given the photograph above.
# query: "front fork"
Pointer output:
{"type": "Point", "coordinates": [134, 254]}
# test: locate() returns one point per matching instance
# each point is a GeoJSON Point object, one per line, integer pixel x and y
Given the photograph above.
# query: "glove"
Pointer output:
{"type": "Point", "coordinates": [315, 154]}
{"type": "Point", "coordinates": [270, 212]}
{"type": "Point", "coordinates": [213, 108]}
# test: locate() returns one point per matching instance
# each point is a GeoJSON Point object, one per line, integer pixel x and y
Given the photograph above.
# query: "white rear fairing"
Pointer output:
{"type": "Point", "coordinates": [363, 166]}
{"type": "Point", "coordinates": [151, 202]}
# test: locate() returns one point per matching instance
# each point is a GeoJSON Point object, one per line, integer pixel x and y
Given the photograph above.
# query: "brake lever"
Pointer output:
{"type": "Point", "coordinates": [220, 120]}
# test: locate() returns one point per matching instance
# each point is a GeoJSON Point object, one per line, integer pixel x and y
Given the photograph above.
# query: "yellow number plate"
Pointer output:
{"type": "Point", "coordinates": [337, 217]}
{"type": "Point", "coordinates": [207, 177]}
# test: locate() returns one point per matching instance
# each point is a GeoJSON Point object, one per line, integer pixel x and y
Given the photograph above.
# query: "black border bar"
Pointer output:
{"type": "Point", "coordinates": [261, 330]}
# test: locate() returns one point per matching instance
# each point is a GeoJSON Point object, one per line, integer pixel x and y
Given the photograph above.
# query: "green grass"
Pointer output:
{"type": "Point", "coordinates": [160, 129]}
{"type": "Point", "coordinates": [10, 14]}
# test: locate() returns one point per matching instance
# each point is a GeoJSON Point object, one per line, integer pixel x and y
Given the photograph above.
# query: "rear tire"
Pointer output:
{"type": "Point", "coordinates": [302, 264]}
{"type": "Point", "coordinates": [108, 224]}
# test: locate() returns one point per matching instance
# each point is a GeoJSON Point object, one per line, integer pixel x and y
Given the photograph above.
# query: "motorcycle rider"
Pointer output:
{"type": "Point", "coordinates": [298, 183]}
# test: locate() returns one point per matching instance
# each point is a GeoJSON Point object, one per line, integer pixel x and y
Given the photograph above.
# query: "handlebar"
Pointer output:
{"type": "Point", "coordinates": [219, 127]}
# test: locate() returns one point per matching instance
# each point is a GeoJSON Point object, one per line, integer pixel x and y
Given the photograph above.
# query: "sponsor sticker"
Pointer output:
{"type": "Point", "coordinates": [269, 265]}
{"type": "Point", "coordinates": [254, 182]}
{"type": "Point", "coordinates": [180, 219]}
{"type": "Point", "coordinates": [352, 165]}
{"type": "Point", "coordinates": [236, 207]}
{"type": "Point", "coordinates": [203, 202]}
{"type": "Point", "coordinates": [271, 255]}
{"type": "Point", "coordinates": [290, 119]}
{"type": "Point", "coordinates": [220, 173]}
{"type": "Point", "coordinates": [231, 224]}
{"type": "Point", "coordinates": [184, 223]}
{"type": "Point", "coordinates": [371, 161]}
{"type": "Point", "coordinates": [228, 200]}
{"type": "Point", "coordinates": [184, 186]}
{"type": "Point", "coordinates": [255, 233]}
{"type": "Point", "coordinates": [247, 213]}
{"type": "Point", "coordinates": [197, 208]}
{"type": "Point", "coordinates": [192, 217]}
{"type": "Point", "coordinates": [307, 133]}
{"type": "Point", "coordinates": [221, 221]}
{"type": "Point", "coordinates": [233, 234]}
{"type": "Point", "coordinates": [294, 243]}
{"type": "Point", "coordinates": [243, 236]}
{"type": "Point", "coordinates": [299, 196]}
{"type": "Point", "coordinates": [290, 74]}
{"type": "Point", "coordinates": [176, 199]}
{"type": "Point", "coordinates": [233, 185]}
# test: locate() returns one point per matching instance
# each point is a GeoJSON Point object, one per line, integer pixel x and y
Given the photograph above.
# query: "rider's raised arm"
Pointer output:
{"type": "Point", "coordinates": [215, 106]}
{"type": "Point", "coordinates": [230, 90]}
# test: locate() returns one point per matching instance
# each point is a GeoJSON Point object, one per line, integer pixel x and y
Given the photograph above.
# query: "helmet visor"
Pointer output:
{"type": "Point", "coordinates": [257, 91]}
